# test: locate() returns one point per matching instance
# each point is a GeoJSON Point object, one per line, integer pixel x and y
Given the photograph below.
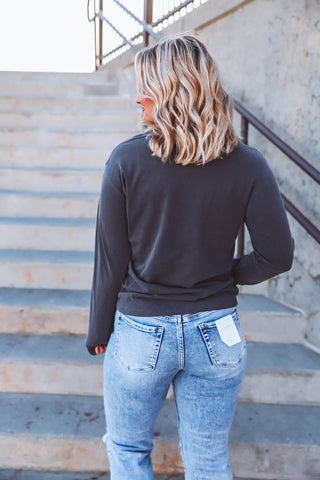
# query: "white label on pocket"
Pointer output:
{"type": "Point", "coordinates": [228, 330]}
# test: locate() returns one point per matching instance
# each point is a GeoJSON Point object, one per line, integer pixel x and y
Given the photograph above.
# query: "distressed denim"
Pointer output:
{"type": "Point", "coordinates": [204, 356]}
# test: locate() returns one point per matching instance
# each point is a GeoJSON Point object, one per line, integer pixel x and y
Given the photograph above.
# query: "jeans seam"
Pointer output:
{"type": "Point", "coordinates": [140, 326]}
{"type": "Point", "coordinates": [157, 346]}
{"type": "Point", "coordinates": [207, 343]}
{"type": "Point", "coordinates": [179, 432]}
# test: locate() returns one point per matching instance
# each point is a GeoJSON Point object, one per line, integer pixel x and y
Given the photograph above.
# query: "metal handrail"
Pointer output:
{"type": "Point", "coordinates": [102, 17]}
{"type": "Point", "coordinates": [248, 118]}
{"type": "Point", "coordinates": [88, 14]}
{"type": "Point", "coordinates": [304, 221]}
{"type": "Point", "coordinates": [137, 19]}
{"type": "Point", "coordinates": [284, 147]}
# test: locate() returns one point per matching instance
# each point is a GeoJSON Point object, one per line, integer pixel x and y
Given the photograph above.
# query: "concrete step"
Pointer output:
{"type": "Point", "coordinates": [33, 156]}
{"type": "Point", "coordinates": [75, 234]}
{"type": "Point", "coordinates": [51, 179]}
{"type": "Point", "coordinates": [97, 76]}
{"type": "Point", "coordinates": [275, 373]}
{"type": "Point", "coordinates": [87, 104]}
{"type": "Point", "coordinates": [63, 475]}
{"type": "Point", "coordinates": [64, 139]}
{"type": "Point", "coordinates": [268, 320]}
{"type": "Point", "coordinates": [62, 432]}
{"type": "Point", "coordinates": [42, 311]}
{"type": "Point", "coordinates": [48, 311]}
{"type": "Point", "coordinates": [111, 121]}
{"type": "Point", "coordinates": [65, 89]}
{"type": "Point", "coordinates": [28, 204]}
{"type": "Point", "coordinates": [46, 269]}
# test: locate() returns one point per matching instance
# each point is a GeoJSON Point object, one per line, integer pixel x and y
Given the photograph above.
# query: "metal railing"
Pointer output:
{"type": "Point", "coordinates": [248, 118]}
{"type": "Point", "coordinates": [149, 25]}
{"type": "Point", "coordinates": [154, 19]}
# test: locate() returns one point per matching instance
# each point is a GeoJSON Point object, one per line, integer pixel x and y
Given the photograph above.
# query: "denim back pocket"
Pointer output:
{"type": "Point", "coordinates": [137, 345]}
{"type": "Point", "coordinates": [224, 340]}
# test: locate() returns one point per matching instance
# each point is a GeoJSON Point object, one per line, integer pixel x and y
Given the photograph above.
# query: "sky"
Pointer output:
{"type": "Point", "coordinates": [46, 35]}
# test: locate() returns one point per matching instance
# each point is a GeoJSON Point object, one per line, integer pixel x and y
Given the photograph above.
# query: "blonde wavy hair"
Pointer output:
{"type": "Point", "coordinates": [193, 113]}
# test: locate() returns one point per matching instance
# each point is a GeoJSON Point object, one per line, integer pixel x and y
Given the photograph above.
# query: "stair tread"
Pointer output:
{"type": "Point", "coordinates": [44, 297]}
{"type": "Point", "coordinates": [29, 296]}
{"type": "Point", "coordinates": [51, 148]}
{"type": "Point", "coordinates": [22, 75]}
{"type": "Point", "coordinates": [83, 416]}
{"type": "Point", "coordinates": [48, 193]}
{"type": "Point", "coordinates": [81, 130]}
{"type": "Point", "coordinates": [261, 303]}
{"type": "Point", "coordinates": [52, 256]}
{"type": "Point", "coordinates": [279, 357]}
{"type": "Point", "coordinates": [32, 169]}
{"type": "Point", "coordinates": [64, 475]}
{"type": "Point", "coordinates": [50, 221]}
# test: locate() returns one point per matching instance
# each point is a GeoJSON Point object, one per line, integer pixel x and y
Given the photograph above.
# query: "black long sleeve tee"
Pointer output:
{"type": "Point", "coordinates": [165, 234]}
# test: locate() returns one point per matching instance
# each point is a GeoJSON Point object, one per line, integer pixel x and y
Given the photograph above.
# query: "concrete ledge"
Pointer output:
{"type": "Point", "coordinates": [267, 320]}
{"type": "Point", "coordinates": [51, 180]}
{"type": "Point", "coordinates": [53, 77]}
{"type": "Point", "coordinates": [64, 433]}
{"type": "Point", "coordinates": [46, 269]}
{"type": "Point", "coordinates": [67, 89]}
{"type": "Point", "coordinates": [60, 105]}
{"type": "Point", "coordinates": [60, 311]}
{"type": "Point", "coordinates": [47, 204]}
{"type": "Point", "coordinates": [63, 475]}
{"type": "Point", "coordinates": [55, 138]}
{"type": "Point", "coordinates": [44, 311]}
{"type": "Point", "coordinates": [42, 235]}
{"type": "Point", "coordinates": [275, 373]}
{"type": "Point", "coordinates": [112, 121]}
{"type": "Point", "coordinates": [35, 156]}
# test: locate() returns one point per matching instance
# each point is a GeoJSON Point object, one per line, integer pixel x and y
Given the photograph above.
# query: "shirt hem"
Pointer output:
{"type": "Point", "coordinates": [162, 307]}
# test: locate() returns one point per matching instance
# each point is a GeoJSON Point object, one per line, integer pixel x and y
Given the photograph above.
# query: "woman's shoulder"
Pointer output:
{"type": "Point", "coordinates": [249, 157]}
{"type": "Point", "coordinates": [134, 142]}
{"type": "Point", "coordinates": [129, 148]}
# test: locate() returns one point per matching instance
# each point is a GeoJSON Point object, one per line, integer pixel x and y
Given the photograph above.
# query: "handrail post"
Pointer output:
{"type": "Point", "coordinates": [100, 33]}
{"type": "Point", "coordinates": [244, 135]}
{"type": "Point", "coordinates": [148, 18]}
{"type": "Point", "coordinates": [244, 129]}
{"type": "Point", "coordinates": [95, 35]}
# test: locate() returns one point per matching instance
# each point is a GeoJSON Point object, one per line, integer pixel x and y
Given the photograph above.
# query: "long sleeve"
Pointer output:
{"type": "Point", "coordinates": [268, 226]}
{"type": "Point", "coordinates": [111, 257]}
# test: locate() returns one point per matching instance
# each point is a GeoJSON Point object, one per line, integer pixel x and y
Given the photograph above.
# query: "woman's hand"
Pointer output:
{"type": "Point", "coordinates": [100, 349]}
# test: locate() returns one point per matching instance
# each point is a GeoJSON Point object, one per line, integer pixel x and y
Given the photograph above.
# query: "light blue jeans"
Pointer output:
{"type": "Point", "coordinates": [204, 356]}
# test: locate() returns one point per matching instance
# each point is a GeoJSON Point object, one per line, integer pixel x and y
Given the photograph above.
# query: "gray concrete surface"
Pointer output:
{"type": "Point", "coordinates": [56, 222]}
{"type": "Point", "coordinates": [53, 256]}
{"type": "Point", "coordinates": [60, 364]}
{"type": "Point", "coordinates": [84, 416]}
{"type": "Point", "coordinates": [47, 475]}
{"type": "Point", "coordinates": [287, 435]}
{"type": "Point", "coordinates": [69, 348]}
{"type": "Point", "coordinates": [40, 311]}
{"type": "Point", "coordinates": [44, 297]}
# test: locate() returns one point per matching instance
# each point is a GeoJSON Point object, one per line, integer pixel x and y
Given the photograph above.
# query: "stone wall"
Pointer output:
{"type": "Point", "coordinates": [268, 53]}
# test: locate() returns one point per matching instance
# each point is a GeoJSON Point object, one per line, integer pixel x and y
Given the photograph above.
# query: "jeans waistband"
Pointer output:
{"type": "Point", "coordinates": [185, 317]}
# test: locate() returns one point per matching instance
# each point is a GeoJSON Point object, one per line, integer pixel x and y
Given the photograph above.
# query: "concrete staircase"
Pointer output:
{"type": "Point", "coordinates": [56, 132]}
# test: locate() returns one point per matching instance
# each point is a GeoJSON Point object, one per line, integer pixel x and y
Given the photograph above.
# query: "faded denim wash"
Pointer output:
{"type": "Point", "coordinates": [204, 356]}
